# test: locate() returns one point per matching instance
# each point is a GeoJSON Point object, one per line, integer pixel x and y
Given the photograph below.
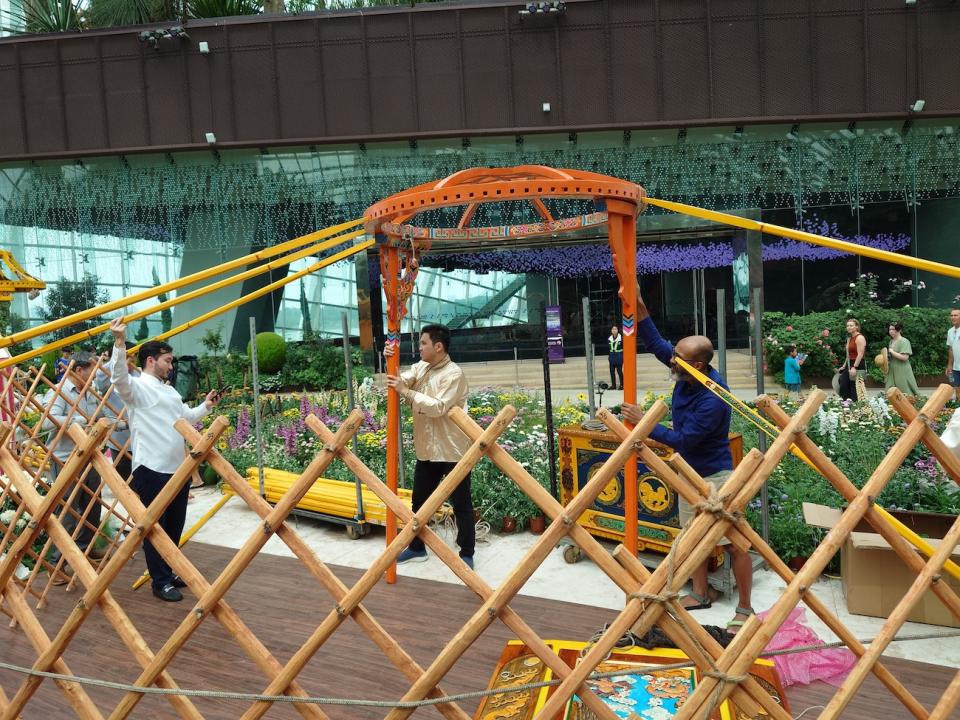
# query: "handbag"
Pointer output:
{"type": "Point", "coordinates": [861, 388]}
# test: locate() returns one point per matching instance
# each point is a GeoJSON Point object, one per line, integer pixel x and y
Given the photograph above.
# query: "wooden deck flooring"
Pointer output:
{"type": "Point", "coordinates": [282, 604]}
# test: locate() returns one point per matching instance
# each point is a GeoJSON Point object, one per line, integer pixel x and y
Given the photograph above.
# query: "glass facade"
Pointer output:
{"type": "Point", "coordinates": [865, 179]}
{"type": "Point", "coordinates": [122, 266]}
{"type": "Point", "coordinates": [458, 298]}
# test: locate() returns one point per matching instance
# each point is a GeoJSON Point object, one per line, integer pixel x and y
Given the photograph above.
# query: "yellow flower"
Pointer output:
{"type": "Point", "coordinates": [582, 397]}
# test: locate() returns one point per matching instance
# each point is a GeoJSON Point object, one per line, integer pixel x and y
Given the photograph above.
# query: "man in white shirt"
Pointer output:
{"type": "Point", "coordinates": [953, 351]}
{"type": "Point", "coordinates": [119, 437]}
{"type": "Point", "coordinates": [157, 448]}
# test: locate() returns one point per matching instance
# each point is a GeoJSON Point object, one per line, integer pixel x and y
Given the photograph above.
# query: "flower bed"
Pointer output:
{"type": "Point", "coordinates": [855, 435]}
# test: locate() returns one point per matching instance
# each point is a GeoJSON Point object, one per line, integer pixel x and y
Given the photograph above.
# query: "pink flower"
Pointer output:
{"type": "Point", "coordinates": [825, 333]}
{"type": "Point", "coordinates": [789, 327]}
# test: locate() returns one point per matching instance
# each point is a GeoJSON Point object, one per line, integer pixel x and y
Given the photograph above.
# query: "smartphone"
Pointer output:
{"type": "Point", "coordinates": [223, 390]}
{"type": "Point", "coordinates": [801, 357]}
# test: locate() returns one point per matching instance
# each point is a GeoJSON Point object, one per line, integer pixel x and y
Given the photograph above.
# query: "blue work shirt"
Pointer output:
{"type": "Point", "coordinates": [701, 420]}
{"type": "Point", "coordinates": [791, 371]}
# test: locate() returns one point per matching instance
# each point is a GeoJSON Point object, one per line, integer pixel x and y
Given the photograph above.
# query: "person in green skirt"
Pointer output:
{"type": "Point", "coordinates": [901, 372]}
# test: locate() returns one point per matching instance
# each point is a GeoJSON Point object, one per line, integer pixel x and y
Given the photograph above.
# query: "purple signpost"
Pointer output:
{"type": "Point", "coordinates": [554, 335]}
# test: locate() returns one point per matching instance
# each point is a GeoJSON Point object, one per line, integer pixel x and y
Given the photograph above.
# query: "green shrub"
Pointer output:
{"type": "Point", "coordinates": [271, 352]}
{"type": "Point", "coordinates": [49, 360]}
{"type": "Point", "coordinates": [318, 366]}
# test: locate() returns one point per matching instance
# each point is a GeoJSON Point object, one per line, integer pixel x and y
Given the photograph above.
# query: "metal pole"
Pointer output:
{"type": "Point", "coordinates": [696, 302]}
{"type": "Point", "coordinates": [516, 367]}
{"type": "Point", "coordinates": [588, 353]}
{"type": "Point", "coordinates": [548, 403]}
{"type": "Point", "coordinates": [255, 370]}
{"type": "Point", "coordinates": [722, 331]}
{"type": "Point", "coordinates": [348, 376]}
{"type": "Point", "coordinates": [703, 299]}
{"type": "Point", "coordinates": [761, 438]}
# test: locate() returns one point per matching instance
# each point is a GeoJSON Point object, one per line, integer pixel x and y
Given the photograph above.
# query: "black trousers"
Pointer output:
{"type": "Point", "coordinates": [70, 517]}
{"type": "Point", "coordinates": [426, 478]}
{"type": "Point", "coordinates": [147, 484]}
{"type": "Point", "coordinates": [614, 371]}
{"type": "Point", "coordinates": [848, 385]}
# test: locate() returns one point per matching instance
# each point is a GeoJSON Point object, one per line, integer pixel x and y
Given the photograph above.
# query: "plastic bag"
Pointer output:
{"type": "Point", "coordinates": [830, 666]}
{"type": "Point", "coordinates": [861, 388]}
{"type": "Point", "coordinates": [951, 435]}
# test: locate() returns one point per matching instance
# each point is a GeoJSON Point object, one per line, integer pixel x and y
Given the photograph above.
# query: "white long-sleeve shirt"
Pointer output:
{"type": "Point", "coordinates": [153, 408]}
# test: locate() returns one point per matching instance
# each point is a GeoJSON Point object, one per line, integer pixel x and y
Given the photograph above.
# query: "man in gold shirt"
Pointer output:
{"type": "Point", "coordinates": [432, 387]}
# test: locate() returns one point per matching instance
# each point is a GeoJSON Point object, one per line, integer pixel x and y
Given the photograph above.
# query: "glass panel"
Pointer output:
{"type": "Point", "coordinates": [123, 266]}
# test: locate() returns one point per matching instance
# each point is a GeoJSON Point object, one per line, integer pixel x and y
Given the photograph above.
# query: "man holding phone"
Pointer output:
{"type": "Point", "coordinates": [156, 446]}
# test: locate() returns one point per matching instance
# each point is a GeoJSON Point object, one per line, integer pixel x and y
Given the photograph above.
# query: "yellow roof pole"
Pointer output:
{"type": "Point", "coordinates": [206, 289]}
{"type": "Point", "coordinates": [261, 292]}
{"type": "Point", "coordinates": [69, 320]}
{"type": "Point", "coordinates": [811, 238]}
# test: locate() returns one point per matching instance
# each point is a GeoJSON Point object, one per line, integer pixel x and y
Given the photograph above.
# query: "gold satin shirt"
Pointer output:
{"type": "Point", "coordinates": [432, 390]}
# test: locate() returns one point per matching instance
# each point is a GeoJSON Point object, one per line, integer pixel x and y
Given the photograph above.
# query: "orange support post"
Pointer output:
{"type": "Point", "coordinates": [390, 270]}
{"type": "Point", "coordinates": [623, 245]}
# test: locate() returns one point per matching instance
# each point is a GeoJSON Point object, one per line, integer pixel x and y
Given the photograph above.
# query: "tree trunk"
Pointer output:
{"type": "Point", "coordinates": [274, 6]}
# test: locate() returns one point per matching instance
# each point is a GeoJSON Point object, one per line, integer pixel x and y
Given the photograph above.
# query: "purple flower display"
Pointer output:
{"type": "Point", "coordinates": [579, 260]}
{"type": "Point", "coordinates": [242, 433]}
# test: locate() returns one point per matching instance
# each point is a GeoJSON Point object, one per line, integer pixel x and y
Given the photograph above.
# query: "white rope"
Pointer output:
{"type": "Point", "coordinates": [255, 697]}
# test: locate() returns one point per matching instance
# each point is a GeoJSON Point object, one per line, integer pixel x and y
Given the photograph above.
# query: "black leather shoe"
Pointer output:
{"type": "Point", "coordinates": [178, 583]}
{"type": "Point", "coordinates": [168, 593]}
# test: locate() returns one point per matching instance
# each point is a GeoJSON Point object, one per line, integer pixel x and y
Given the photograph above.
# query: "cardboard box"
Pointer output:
{"type": "Point", "coordinates": [875, 579]}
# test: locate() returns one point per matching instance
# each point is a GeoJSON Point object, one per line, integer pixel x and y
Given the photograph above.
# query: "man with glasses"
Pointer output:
{"type": "Point", "coordinates": [74, 405]}
{"type": "Point", "coordinates": [700, 434]}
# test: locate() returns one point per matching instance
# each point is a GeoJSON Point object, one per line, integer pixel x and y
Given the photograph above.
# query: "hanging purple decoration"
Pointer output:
{"type": "Point", "coordinates": [580, 260]}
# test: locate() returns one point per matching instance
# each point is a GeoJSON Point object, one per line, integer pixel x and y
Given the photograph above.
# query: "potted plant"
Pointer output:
{"type": "Point", "coordinates": [538, 523]}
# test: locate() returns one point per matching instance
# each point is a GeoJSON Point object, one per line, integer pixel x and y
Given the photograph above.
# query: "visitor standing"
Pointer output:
{"type": "Point", "coordinates": [615, 357]}
{"type": "Point", "coordinates": [433, 387]}
{"type": "Point", "coordinates": [953, 351]}
{"type": "Point", "coordinates": [75, 406]}
{"type": "Point", "coordinates": [791, 369]}
{"type": "Point", "coordinates": [158, 449]}
{"type": "Point", "coordinates": [63, 362]}
{"type": "Point", "coordinates": [900, 372]}
{"type": "Point", "coordinates": [855, 360]}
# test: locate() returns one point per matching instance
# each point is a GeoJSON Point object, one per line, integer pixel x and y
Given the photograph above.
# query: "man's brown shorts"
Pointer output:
{"type": "Point", "coordinates": [686, 510]}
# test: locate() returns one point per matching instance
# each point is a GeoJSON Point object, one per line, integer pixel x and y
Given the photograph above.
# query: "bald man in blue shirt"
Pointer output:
{"type": "Point", "coordinates": [700, 434]}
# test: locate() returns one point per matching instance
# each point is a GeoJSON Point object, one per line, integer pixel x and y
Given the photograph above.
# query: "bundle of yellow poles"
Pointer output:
{"type": "Point", "coordinates": [328, 497]}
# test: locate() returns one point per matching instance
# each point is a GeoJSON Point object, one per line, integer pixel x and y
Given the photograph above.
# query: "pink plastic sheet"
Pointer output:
{"type": "Point", "coordinates": [830, 666]}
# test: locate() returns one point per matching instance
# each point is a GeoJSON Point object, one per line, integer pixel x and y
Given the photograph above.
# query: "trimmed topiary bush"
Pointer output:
{"type": "Point", "coordinates": [271, 352]}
